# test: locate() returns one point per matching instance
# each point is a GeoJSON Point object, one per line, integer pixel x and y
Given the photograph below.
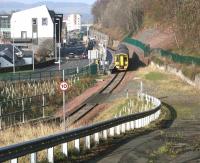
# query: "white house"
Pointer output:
{"type": "Point", "coordinates": [35, 25]}
{"type": "Point", "coordinates": [73, 22]}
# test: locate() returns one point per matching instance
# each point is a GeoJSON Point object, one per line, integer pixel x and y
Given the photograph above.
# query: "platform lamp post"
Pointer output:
{"type": "Point", "coordinates": [13, 48]}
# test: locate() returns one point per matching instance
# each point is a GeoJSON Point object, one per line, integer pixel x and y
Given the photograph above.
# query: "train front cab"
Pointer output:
{"type": "Point", "coordinates": [121, 61]}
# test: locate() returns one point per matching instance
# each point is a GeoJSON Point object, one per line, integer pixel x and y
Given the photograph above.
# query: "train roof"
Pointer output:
{"type": "Point", "coordinates": [122, 49]}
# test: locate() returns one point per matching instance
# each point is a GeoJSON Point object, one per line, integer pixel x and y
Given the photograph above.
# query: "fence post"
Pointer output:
{"type": "Point", "coordinates": [87, 142]}
{"type": "Point", "coordinates": [96, 138]}
{"type": "Point", "coordinates": [14, 160]}
{"type": "Point", "coordinates": [0, 118]}
{"type": "Point", "coordinates": [43, 105]}
{"type": "Point", "coordinates": [65, 149]}
{"type": "Point", "coordinates": [33, 158]}
{"type": "Point", "coordinates": [50, 156]}
{"type": "Point", "coordinates": [23, 116]}
{"type": "Point", "coordinates": [77, 145]}
{"type": "Point", "coordinates": [112, 131]}
{"type": "Point", "coordinates": [118, 130]}
{"type": "Point", "coordinates": [105, 134]}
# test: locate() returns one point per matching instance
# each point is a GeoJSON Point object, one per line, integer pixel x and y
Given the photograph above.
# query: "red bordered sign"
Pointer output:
{"type": "Point", "coordinates": [63, 86]}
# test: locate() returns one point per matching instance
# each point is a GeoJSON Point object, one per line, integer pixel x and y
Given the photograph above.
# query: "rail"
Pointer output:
{"type": "Point", "coordinates": [113, 126]}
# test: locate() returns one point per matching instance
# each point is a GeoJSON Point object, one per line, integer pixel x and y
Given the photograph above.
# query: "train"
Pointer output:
{"type": "Point", "coordinates": [120, 59]}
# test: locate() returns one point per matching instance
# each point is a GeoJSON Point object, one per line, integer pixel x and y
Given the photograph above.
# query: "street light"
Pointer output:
{"type": "Point", "coordinates": [59, 42]}
{"type": "Point", "coordinates": [13, 50]}
{"type": "Point", "coordinates": [55, 44]}
{"type": "Point", "coordinates": [33, 61]}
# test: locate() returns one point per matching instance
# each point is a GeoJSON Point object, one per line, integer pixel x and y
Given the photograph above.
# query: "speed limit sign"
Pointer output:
{"type": "Point", "coordinates": [63, 86]}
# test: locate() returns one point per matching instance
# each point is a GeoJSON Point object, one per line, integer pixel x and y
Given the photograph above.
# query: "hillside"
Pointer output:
{"type": "Point", "coordinates": [179, 20]}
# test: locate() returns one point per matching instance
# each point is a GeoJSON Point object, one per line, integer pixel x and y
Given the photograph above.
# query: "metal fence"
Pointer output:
{"type": "Point", "coordinates": [178, 58]}
{"type": "Point", "coordinates": [21, 110]}
{"type": "Point", "coordinates": [102, 130]}
{"type": "Point", "coordinates": [48, 75]}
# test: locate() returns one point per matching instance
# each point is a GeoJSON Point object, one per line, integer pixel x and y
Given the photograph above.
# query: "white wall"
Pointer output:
{"type": "Point", "coordinates": [5, 63]}
{"type": "Point", "coordinates": [73, 22]}
{"type": "Point", "coordinates": [22, 21]}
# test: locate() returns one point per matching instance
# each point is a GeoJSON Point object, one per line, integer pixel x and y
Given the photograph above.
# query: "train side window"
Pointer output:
{"type": "Point", "coordinates": [125, 59]}
{"type": "Point", "coordinates": [117, 58]}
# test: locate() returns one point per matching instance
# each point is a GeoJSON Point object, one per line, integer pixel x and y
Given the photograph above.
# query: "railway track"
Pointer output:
{"type": "Point", "coordinates": [94, 101]}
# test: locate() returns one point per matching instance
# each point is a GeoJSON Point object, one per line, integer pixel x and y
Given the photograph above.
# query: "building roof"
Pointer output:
{"type": "Point", "coordinates": [6, 51]}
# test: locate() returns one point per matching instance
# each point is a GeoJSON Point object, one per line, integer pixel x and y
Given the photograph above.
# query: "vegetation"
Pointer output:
{"type": "Point", "coordinates": [155, 76]}
{"type": "Point", "coordinates": [182, 16]}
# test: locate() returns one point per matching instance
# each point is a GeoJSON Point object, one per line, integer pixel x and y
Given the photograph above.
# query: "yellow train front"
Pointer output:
{"type": "Point", "coordinates": [121, 58]}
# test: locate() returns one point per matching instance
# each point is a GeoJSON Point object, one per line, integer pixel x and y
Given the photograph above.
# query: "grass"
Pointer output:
{"type": "Point", "coordinates": [155, 76]}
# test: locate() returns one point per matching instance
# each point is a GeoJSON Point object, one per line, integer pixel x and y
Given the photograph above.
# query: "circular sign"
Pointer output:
{"type": "Point", "coordinates": [63, 86]}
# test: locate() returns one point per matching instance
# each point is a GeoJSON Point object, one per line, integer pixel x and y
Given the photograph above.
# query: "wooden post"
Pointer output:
{"type": "Point", "coordinates": [23, 116]}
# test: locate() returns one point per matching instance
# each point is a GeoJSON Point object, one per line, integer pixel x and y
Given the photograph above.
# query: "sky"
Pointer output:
{"type": "Point", "coordinates": [33, 1]}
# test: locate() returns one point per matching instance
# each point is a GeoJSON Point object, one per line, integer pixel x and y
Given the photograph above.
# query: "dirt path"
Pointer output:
{"type": "Point", "coordinates": [176, 141]}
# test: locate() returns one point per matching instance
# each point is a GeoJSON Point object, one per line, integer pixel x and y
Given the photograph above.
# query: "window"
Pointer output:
{"type": "Point", "coordinates": [44, 21]}
{"type": "Point", "coordinates": [23, 34]}
{"type": "Point", "coordinates": [34, 21]}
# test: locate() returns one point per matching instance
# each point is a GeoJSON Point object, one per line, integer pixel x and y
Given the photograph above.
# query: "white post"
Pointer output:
{"type": "Point", "coordinates": [77, 70]}
{"type": "Point", "coordinates": [64, 121]}
{"type": "Point", "coordinates": [33, 158]}
{"type": "Point", "coordinates": [128, 126]}
{"type": "Point", "coordinates": [50, 155]}
{"type": "Point", "coordinates": [43, 104]}
{"type": "Point", "coordinates": [132, 125]}
{"type": "Point", "coordinates": [23, 117]}
{"type": "Point", "coordinates": [118, 130]}
{"type": "Point", "coordinates": [0, 118]}
{"type": "Point", "coordinates": [87, 142]}
{"type": "Point", "coordinates": [123, 128]}
{"type": "Point", "coordinates": [112, 131]}
{"type": "Point", "coordinates": [141, 87]}
{"type": "Point", "coordinates": [77, 145]}
{"type": "Point", "coordinates": [65, 149]}
{"type": "Point", "coordinates": [105, 136]}
{"type": "Point", "coordinates": [14, 160]}
{"type": "Point", "coordinates": [96, 138]}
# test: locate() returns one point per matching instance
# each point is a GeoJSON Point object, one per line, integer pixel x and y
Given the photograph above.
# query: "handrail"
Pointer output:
{"type": "Point", "coordinates": [29, 147]}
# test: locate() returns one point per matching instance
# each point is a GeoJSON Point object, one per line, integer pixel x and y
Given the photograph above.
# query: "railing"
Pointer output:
{"type": "Point", "coordinates": [48, 75]}
{"type": "Point", "coordinates": [113, 126]}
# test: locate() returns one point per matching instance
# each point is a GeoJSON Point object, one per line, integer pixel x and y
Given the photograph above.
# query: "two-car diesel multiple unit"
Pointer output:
{"type": "Point", "coordinates": [121, 58]}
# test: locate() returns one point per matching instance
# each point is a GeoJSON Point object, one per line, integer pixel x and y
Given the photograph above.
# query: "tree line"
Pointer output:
{"type": "Point", "coordinates": [128, 15]}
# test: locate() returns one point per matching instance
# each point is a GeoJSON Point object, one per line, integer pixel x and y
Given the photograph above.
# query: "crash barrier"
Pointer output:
{"type": "Point", "coordinates": [101, 130]}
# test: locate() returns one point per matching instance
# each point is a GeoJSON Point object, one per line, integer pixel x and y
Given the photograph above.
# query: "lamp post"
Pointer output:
{"type": "Point", "coordinates": [55, 44]}
{"type": "Point", "coordinates": [33, 61]}
{"type": "Point", "coordinates": [59, 42]}
{"type": "Point", "coordinates": [13, 49]}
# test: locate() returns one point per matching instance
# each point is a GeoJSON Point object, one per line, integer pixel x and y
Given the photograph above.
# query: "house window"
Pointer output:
{"type": "Point", "coordinates": [23, 34]}
{"type": "Point", "coordinates": [34, 21]}
{"type": "Point", "coordinates": [44, 21]}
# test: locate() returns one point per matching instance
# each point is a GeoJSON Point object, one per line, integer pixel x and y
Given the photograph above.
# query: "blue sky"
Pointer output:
{"type": "Point", "coordinates": [32, 1]}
